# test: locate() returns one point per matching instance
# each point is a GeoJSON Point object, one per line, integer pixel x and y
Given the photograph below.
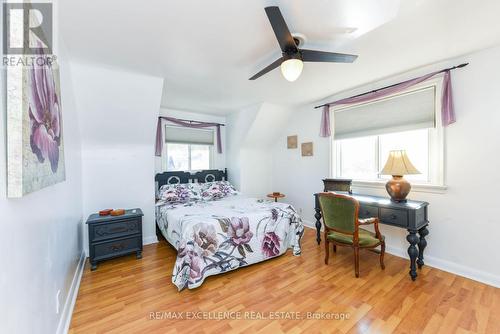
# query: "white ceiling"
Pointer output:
{"type": "Point", "coordinates": [207, 50]}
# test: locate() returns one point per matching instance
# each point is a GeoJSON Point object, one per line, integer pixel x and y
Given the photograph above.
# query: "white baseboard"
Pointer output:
{"type": "Point", "coordinates": [310, 224]}
{"type": "Point", "coordinates": [152, 239]}
{"type": "Point", "coordinates": [69, 304]}
{"type": "Point", "coordinates": [448, 266]}
{"type": "Point", "coordinates": [451, 267]}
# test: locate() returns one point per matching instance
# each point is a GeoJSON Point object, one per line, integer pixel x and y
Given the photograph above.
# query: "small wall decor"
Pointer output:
{"type": "Point", "coordinates": [307, 149]}
{"type": "Point", "coordinates": [35, 157]}
{"type": "Point", "coordinates": [292, 141]}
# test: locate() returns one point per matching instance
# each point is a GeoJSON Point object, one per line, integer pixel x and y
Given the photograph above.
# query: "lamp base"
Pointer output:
{"type": "Point", "coordinates": [399, 200]}
{"type": "Point", "coordinates": [398, 188]}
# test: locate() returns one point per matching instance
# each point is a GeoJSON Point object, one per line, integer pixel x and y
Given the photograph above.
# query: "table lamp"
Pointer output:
{"type": "Point", "coordinates": [398, 164]}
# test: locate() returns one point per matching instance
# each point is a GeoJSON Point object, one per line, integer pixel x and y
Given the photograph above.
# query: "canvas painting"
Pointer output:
{"type": "Point", "coordinates": [291, 141]}
{"type": "Point", "coordinates": [34, 129]}
{"type": "Point", "coordinates": [307, 149]}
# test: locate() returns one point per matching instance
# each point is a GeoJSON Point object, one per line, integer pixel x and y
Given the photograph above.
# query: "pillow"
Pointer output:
{"type": "Point", "coordinates": [180, 193]}
{"type": "Point", "coordinates": [217, 189]}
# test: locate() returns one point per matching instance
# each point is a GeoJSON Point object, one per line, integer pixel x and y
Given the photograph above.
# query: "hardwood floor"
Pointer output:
{"type": "Point", "coordinates": [121, 294]}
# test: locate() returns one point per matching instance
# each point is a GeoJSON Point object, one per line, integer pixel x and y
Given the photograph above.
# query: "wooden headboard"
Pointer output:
{"type": "Point", "coordinates": [202, 176]}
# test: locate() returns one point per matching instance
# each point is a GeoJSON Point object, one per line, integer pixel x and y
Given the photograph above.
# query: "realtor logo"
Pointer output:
{"type": "Point", "coordinates": [27, 28]}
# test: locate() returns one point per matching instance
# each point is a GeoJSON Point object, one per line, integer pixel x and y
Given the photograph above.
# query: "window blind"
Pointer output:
{"type": "Point", "coordinates": [174, 134]}
{"type": "Point", "coordinates": [407, 111]}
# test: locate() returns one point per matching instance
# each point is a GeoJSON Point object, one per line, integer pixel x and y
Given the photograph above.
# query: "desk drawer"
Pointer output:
{"type": "Point", "coordinates": [394, 217]}
{"type": "Point", "coordinates": [114, 248]}
{"type": "Point", "coordinates": [114, 229]}
{"type": "Point", "coordinates": [368, 211]}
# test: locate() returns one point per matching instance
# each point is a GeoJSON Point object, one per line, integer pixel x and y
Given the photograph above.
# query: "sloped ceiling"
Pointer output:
{"type": "Point", "coordinates": [115, 108]}
{"type": "Point", "coordinates": [207, 50]}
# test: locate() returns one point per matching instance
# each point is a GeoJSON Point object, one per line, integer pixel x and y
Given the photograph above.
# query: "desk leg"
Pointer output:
{"type": "Point", "coordinates": [412, 252]}
{"type": "Point", "coordinates": [318, 224]}
{"type": "Point", "coordinates": [423, 232]}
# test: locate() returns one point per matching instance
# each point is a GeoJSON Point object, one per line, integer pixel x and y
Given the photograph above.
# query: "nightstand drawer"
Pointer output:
{"type": "Point", "coordinates": [368, 211]}
{"type": "Point", "coordinates": [114, 229]}
{"type": "Point", "coordinates": [394, 217]}
{"type": "Point", "coordinates": [117, 247]}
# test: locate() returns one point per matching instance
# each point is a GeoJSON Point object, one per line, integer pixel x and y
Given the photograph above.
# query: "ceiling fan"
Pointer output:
{"type": "Point", "coordinates": [291, 62]}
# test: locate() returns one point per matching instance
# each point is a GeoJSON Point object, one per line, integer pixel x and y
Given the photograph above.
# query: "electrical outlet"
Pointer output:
{"type": "Point", "coordinates": [58, 304]}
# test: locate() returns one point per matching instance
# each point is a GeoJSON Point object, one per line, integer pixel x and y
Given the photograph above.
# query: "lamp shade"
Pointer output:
{"type": "Point", "coordinates": [291, 69]}
{"type": "Point", "coordinates": [399, 164]}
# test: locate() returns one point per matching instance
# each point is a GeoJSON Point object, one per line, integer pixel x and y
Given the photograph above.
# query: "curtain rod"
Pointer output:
{"type": "Point", "coordinates": [191, 121]}
{"type": "Point", "coordinates": [376, 90]}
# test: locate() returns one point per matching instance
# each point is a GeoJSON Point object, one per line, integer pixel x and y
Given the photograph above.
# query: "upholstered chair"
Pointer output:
{"type": "Point", "coordinates": [341, 223]}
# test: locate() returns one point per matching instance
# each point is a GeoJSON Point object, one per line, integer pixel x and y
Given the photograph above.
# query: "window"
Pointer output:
{"type": "Point", "coordinates": [188, 149]}
{"type": "Point", "coordinates": [186, 157]}
{"type": "Point", "coordinates": [366, 133]}
{"type": "Point", "coordinates": [362, 158]}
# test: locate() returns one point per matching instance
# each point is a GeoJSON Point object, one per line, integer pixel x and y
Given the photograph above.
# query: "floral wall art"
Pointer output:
{"type": "Point", "coordinates": [34, 128]}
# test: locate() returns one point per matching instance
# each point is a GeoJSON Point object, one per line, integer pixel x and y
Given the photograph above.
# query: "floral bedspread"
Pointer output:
{"type": "Point", "coordinates": [213, 237]}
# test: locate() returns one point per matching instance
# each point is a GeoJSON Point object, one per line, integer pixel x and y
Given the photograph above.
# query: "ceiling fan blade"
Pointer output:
{"type": "Point", "coordinates": [283, 35]}
{"type": "Point", "coordinates": [323, 56]}
{"type": "Point", "coordinates": [269, 68]}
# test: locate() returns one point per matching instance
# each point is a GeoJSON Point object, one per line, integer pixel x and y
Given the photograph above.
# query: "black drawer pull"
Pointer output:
{"type": "Point", "coordinates": [394, 217]}
{"type": "Point", "coordinates": [116, 248]}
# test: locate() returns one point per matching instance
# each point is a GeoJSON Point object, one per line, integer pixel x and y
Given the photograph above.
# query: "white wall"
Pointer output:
{"type": "Point", "coordinates": [118, 112]}
{"type": "Point", "coordinates": [239, 124]}
{"type": "Point", "coordinates": [40, 240]}
{"type": "Point", "coordinates": [251, 134]}
{"type": "Point", "coordinates": [296, 176]}
{"type": "Point", "coordinates": [219, 159]}
{"type": "Point", "coordinates": [464, 221]}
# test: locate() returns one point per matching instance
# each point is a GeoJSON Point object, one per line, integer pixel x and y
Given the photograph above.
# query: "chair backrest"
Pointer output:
{"type": "Point", "coordinates": [337, 185]}
{"type": "Point", "coordinates": [340, 212]}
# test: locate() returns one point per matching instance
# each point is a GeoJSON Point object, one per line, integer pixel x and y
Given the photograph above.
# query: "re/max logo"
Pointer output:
{"type": "Point", "coordinates": [27, 28]}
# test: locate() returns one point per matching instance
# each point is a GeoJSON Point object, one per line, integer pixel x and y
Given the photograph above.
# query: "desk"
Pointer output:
{"type": "Point", "coordinates": [410, 215]}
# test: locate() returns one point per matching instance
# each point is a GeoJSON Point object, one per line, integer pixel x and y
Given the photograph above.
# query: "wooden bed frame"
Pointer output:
{"type": "Point", "coordinates": [203, 176]}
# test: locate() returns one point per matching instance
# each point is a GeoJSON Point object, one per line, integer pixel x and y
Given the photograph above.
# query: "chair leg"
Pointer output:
{"type": "Point", "coordinates": [356, 261]}
{"type": "Point", "coordinates": [327, 251]}
{"type": "Point", "coordinates": [335, 248]}
{"type": "Point", "coordinates": [382, 252]}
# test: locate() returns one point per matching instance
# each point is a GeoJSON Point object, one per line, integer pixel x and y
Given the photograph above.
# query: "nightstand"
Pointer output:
{"type": "Point", "coordinates": [113, 236]}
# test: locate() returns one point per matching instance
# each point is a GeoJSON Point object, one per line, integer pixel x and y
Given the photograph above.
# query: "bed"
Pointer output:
{"type": "Point", "coordinates": [213, 235]}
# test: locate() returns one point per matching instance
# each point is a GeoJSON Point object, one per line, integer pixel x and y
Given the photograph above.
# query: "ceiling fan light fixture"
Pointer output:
{"type": "Point", "coordinates": [291, 69]}
{"type": "Point", "coordinates": [293, 55]}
